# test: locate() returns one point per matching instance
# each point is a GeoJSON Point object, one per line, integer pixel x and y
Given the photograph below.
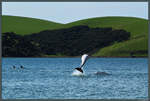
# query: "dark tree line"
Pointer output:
{"type": "Point", "coordinates": [72, 41]}
{"type": "Point", "coordinates": [17, 46]}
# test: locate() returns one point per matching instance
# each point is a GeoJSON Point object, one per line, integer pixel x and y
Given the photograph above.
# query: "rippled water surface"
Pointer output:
{"type": "Point", "coordinates": [51, 78]}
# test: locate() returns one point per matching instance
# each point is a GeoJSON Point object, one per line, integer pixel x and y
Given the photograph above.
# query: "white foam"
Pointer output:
{"type": "Point", "coordinates": [77, 73]}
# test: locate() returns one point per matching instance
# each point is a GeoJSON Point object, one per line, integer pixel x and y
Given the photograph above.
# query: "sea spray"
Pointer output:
{"type": "Point", "coordinates": [77, 73]}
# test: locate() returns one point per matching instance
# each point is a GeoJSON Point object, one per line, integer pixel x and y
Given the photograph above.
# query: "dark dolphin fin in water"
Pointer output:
{"type": "Point", "coordinates": [14, 67]}
{"type": "Point", "coordinates": [101, 73]}
{"type": "Point", "coordinates": [79, 69]}
{"type": "Point", "coordinates": [21, 67]}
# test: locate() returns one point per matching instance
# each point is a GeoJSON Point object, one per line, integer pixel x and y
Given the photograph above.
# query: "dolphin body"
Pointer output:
{"type": "Point", "coordinates": [101, 73]}
{"type": "Point", "coordinates": [83, 61]}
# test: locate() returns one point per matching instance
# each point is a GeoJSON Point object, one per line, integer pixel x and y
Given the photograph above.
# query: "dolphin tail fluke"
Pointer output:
{"type": "Point", "coordinates": [79, 69]}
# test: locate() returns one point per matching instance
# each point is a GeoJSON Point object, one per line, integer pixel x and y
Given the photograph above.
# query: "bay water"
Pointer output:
{"type": "Point", "coordinates": [51, 78]}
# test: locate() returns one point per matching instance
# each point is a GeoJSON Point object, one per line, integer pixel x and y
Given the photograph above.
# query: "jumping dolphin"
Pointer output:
{"type": "Point", "coordinates": [83, 60]}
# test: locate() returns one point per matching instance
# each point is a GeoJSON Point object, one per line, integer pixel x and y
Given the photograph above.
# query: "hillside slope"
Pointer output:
{"type": "Point", "coordinates": [137, 45]}
{"type": "Point", "coordinates": [137, 26]}
{"type": "Point", "coordinates": [24, 25]}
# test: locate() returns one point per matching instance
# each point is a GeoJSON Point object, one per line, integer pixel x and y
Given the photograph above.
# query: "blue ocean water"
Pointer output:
{"type": "Point", "coordinates": [50, 78]}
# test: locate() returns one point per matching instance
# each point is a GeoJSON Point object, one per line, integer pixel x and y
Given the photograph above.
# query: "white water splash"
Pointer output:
{"type": "Point", "coordinates": [77, 73]}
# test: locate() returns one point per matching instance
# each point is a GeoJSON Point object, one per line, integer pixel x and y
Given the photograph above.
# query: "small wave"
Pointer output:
{"type": "Point", "coordinates": [78, 73]}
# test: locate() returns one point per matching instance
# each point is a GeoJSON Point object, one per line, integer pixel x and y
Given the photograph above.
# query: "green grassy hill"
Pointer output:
{"type": "Point", "coordinates": [136, 26]}
{"type": "Point", "coordinates": [138, 46]}
{"type": "Point", "coordinates": [138, 43]}
{"type": "Point", "coordinates": [24, 25]}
